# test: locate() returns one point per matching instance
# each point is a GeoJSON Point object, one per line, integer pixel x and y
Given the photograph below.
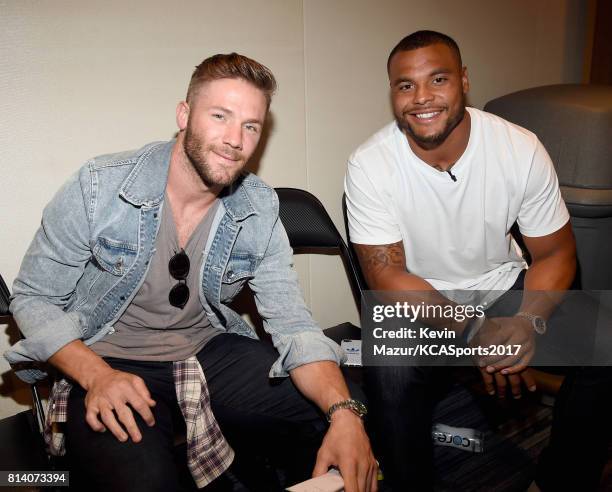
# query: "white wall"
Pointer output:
{"type": "Point", "coordinates": [82, 78]}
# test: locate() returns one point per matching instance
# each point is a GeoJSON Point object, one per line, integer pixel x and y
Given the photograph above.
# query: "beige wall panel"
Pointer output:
{"type": "Point", "coordinates": [78, 79]}
{"type": "Point", "coordinates": [507, 46]}
{"type": "Point", "coordinates": [82, 78]}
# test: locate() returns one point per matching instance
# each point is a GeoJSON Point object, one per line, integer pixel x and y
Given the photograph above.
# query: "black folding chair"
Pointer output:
{"type": "Point", "coordinates": [5, 314]}
{"type": "Point", "coordinates": [22, 433]}
{"type": "Point", "coordinates": [311, 231]}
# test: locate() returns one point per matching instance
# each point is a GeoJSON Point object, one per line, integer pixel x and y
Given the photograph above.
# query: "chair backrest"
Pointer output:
{"type": "Point", "coordinates": [574, 122]}
{"type": "Point", "coordinates": [352, 251]}
{"type": "Point", "coordinates": [5, 314]}
{"type": "Point", "coordinates": [4, 298]}
{"type": "Point", "coordinates": [311, 230]}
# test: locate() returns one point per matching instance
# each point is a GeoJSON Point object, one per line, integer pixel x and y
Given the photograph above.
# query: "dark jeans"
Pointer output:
{"type": "Point", "coordinates": [258, 416]}
{"type": "Point", "coordinates": [402, 400]}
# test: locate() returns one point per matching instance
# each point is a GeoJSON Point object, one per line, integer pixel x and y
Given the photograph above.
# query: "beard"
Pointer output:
{"type": "Point", "coordinates": [432, 141]}
{"type": "Point", "coordinates": [196, 151]}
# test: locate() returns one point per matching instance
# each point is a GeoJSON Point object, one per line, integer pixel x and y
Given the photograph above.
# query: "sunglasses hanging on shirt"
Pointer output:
{"type": "Point", "coordinates": [179, 269]}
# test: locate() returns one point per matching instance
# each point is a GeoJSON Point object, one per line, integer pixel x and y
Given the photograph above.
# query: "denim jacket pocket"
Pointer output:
{"type": "Point", "coordinates": [114, 256]}
{"type": "Point", "coordinates": [240, 268]}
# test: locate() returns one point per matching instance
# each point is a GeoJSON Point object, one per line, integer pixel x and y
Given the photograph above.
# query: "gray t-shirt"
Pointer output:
{"type": "Point", "coordinates": [151, 328]}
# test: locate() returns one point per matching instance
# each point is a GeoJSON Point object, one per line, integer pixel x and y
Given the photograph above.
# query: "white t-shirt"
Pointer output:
{"type": "Point", "coordinates": [456, 235]}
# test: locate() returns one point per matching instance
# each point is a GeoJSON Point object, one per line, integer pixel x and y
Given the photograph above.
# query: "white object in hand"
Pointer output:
{"type": "Point", "coordinates": [330, 482]}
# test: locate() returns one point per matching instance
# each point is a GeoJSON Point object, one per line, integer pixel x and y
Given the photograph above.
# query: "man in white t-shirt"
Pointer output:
{"type": "Point", "coordinates": [431, 199]}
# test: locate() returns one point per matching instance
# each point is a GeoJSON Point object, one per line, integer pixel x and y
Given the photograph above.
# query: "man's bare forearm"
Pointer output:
{"type": "Point", "coordinates": [551, 272]}
{"type": "Point", "coordinates": [79, 362]}
{"type": "Point", "coordinates": [346, 444]}
{"type": "Point", "coordinates": [321, 382]}
{"type": "Point", "coordinates": [384, 268]}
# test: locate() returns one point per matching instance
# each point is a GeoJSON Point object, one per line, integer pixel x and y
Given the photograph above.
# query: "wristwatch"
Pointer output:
{"type": "Point", "coordinates": [354, 406]}
{"type": "Point", "coordinates": [538, 323]}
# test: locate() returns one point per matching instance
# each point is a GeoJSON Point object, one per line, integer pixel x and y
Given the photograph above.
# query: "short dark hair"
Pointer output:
{"type": "Point", "coordinates": [232, 66]}
{"type": "Point", "coordinates": [422, 39]}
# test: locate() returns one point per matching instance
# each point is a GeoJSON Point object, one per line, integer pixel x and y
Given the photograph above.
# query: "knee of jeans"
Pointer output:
{"type": "Point", "coordinates": [391, 383]}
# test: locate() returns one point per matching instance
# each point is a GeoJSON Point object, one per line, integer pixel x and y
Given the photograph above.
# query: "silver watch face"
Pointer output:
{"type": "Point", "coordinates": [354, 406]}
{"type": "Point", "coordinates": [539, 325]}
{"type": "Point", "coordinates": [537, 322]}
{"type": "Point", "coordinates": [359, 408]}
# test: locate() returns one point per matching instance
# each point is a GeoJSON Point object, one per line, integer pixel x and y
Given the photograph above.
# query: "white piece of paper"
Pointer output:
{"type": "Point", "coordinates": [352, 348]}
{"type": "Point", "coordinates": [330, 482]}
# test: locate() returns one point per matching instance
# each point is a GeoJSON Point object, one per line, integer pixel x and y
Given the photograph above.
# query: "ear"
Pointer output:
{"type": "Point", "coordinates": [182, 115]}
{"type": "Point", "coordinates": [465, 81]}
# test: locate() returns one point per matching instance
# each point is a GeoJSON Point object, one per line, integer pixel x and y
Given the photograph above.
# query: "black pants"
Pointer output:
{"type": "Point", "coordinates": [258, 416]}
{"type": "Point", "coordinates": [402, 400]}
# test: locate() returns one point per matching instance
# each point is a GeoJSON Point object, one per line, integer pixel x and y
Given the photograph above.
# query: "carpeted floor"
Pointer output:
{"type": "Point", "coordinates": [515, 432]}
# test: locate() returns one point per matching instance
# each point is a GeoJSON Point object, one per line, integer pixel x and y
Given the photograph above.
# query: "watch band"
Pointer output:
{"type": "Point", "coordinates": [537, 322]}
{"type": "Point", "coordinates": [354, 406]}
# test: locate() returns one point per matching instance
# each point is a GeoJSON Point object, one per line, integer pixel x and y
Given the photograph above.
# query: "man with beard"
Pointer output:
{"type": "Point", "coordinates": [125, 291]}
{"type": "Point", "coordinates": [431, 199]}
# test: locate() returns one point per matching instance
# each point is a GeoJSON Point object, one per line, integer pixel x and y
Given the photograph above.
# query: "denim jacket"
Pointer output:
{"type": "Point", "coordinates": [97, 237]}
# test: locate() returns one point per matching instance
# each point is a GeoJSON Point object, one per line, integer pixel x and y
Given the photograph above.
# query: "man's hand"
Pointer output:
{"type": "Point", "coordinates": [500, 371]}
{"type": "Point", "coordinates": [110, 395]}
{"type": "Point", "coordinates": [347, 447]}
{"type": "Point", "coordinates": [109, 392]}
{"type": "Point", "coordinates": [346, 444]}
{"type": "Point", "coordinates": [506, 333]}
{"type": "Point", "coordinates": [498, 383]}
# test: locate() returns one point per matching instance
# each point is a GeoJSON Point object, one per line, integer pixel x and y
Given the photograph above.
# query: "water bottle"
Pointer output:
{"type": "Point", "coordinates": [458, 437]}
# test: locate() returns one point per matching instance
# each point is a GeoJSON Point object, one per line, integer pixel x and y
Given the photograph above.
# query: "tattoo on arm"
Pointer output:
{"type": "Point", "coordinates": [375, 258]}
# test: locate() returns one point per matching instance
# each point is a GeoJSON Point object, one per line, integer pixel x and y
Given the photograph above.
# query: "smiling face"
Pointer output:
{"type": "Point", "coordinates": [428, 88]}
{"type": "Point", "coordinates": [222, 125]}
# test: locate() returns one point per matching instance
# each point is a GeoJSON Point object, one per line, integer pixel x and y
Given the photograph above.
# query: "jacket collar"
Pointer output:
{"type": "Point", "coordinates": [146, 184]}
{"type": "Point", "coordinates": [143, 185]}
{"type": "Point", "coordinates": [236, 199]}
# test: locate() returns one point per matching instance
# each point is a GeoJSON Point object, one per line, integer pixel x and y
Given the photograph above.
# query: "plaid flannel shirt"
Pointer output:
{"type": "Point", "coordinates": [208, 453]}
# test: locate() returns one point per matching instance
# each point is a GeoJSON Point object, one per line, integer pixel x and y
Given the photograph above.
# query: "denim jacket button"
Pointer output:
{"type": "Point", "coordinates": [230, 275]}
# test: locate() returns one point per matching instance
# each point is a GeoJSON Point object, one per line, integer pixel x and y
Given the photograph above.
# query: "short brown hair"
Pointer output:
{"type": "Point", "coordinates": [232, 66]}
